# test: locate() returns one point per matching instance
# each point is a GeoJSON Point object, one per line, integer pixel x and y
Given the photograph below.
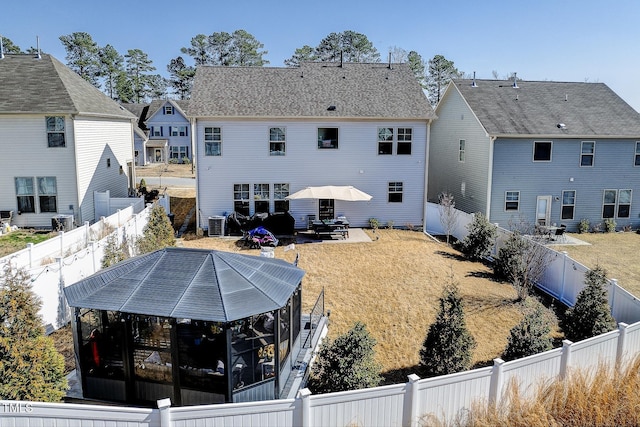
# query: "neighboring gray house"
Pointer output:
{"type": "Point", "coordinates": [544, 152]}
{"type": "Point", "coordinates": [163, 133]}
{"type": "Point", "coordinates": [263, 133]}
{"type": "Point", "coordinates": [62, 140]}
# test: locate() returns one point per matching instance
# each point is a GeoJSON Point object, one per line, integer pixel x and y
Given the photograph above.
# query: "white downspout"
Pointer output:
{"type": "Point", "coordinates": [426, 177]}
{"type": "Point", "coordinates": [492, 140]}
{"type": "Point", "coordinates": [194, 155]}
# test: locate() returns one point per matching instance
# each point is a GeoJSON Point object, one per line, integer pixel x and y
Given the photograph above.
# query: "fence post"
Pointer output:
{"type": "Point", "coordinates": [565, 360]}
{"type": "Point", "coordinates": [495, 387]}
{"type": "Point", "coordinates": [565, 255]}
{"type": "Point", "coordinates": [86, 233]}
{"type": "Point", "coordinates": [92, 248]}
{"type": "Point", "coordinates": [305, 396]}
{"type": "Point", "coordinates": [614, 285]}
{"type": "Point", "coordinates": [61, 238]}
{"type": "Point", "coordinates": [164, 406]}
{"type": "Point", "coordinates": [30, 249]}
{"type": "Point", "coordinates": [622, 337]}
{"type": "Point", "coordinates": [413, 402]}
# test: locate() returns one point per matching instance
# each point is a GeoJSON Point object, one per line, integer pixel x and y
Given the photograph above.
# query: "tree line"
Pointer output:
{"type": "Point", "coordinates": [132, 77]}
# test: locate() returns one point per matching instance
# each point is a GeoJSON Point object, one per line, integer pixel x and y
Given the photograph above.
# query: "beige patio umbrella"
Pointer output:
{"type": "Point", "coordinates": [337, 192]}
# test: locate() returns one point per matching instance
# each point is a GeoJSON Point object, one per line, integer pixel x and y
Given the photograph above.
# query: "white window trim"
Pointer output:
{"type": "Point", "coordinates": [505, 201]}
{"type": "Point", "coordinates": [204, 140]}
{"type": "Point", "coordinates": [618, 203]}
{"type": "Point", "coordinates": [636, 154]}
{"type": "Point", "coordinates": [593, 155]}
{"type": "Point", "coordinates": [337, 128]}
{"type": "Point", "coordinates": [271, 153]}
{"type": "Point", "coordinates": [462, 148]}
{"type": "Point", "coordinates": [615, 203]}
{"type": "Point", "coordinates": [533, 153]}
{"type": "Point", "coordinates": [562, 205]}
{"type": "Point", "coordinates": [398, 142]}
{"type": "Point", "coordinates": [392, 142]}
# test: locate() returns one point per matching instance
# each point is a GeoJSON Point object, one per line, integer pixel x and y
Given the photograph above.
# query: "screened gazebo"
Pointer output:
{"type": "Point", "coordinates": [197, 326]}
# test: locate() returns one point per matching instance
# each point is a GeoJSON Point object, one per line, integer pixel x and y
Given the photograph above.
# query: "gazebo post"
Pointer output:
{"type": "Point", "coordinates": [175, 359]}
{"type": "Point", "coordinates": [228, 370]}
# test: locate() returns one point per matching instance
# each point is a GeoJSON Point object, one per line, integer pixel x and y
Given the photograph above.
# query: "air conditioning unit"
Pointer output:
{"type": "Point", "coordinates": [62, 223]}
{"type": "Point", "coordinates": [216, 226]}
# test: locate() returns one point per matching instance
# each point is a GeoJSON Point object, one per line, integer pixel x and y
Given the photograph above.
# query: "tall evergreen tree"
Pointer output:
{"type": "Point", "coordinates": [302, 54]}
{"type": "Point", "coordinates": [30, 366]}
{"type": "Point", "coordinates": [348, 363]}
{"type": "Point", "coordinates": [138, 66]}
{"type": "Point", "coordinates": [83, 56]}
{"type": "Point", "coordinates": [111, 65]}
{"type": "Point", "coordinates": [220, 49]}
{"type": "Point", "coordinates": [448, 346]}
{"type": "Point", "coordinates": [199, 50]}
{"type": "Point", "coordinates": [246, 50]}
{"type": "Point", "coordinates": [417, 65]}
{"type": "Point", "coordinates": [181, 77]}
{"type": "Point", "coordinates": [158, 233]}
{"type": "Point", "coordinates": [439, 74]}
{"type": "Point", "coordinates": [9, 47]}
{"type": "Point", "coordinates": [350, 45]}
{"type": "Point", "coordinates": [591, 315]}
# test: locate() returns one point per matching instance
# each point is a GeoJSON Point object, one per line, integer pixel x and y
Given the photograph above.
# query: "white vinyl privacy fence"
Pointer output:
{"type": "Point", "coordinates": [447, 397]}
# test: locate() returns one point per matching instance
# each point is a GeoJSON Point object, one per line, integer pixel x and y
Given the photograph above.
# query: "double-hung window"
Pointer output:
{"type": "Point", "coordinates": [55, 131]}
{"type": "Point", "coordinates": [328, 138]}
{"type": "Point", "coordinates": [25, 192]}
{"type": "Point", "coordinates": [48, 194]}
{"type": "Point", "coordinates": [636, 160]}
{"type": "Point", "coordinates": [241, 198]}
{"type": "Point", "coordinates": [616, 203]}
{"type": "Point", "coordinates": [511, 200]}
{"type": "Point", "coordinates": [178, 131]}
{"type": "Point", "coordinates": [261, 197]}
{"type": "Point", "coordinates": [542, 151]}
{"type": "Point", "coordinates": [212, 141]}
{"type": "Point", "coordinates": [587, 151]}
{"type": "Point", "coordinates": [461, 150]}
{"type": "Point", "coordinates": [568, 204]}
{"type": "Point", "coordinates": [277, 141]}
{"type": "Point", "coordinates": [168, 109]}
{"type": "Point", "coordinates": [156, 131]}
{"type": "Point", "coordinates": [280, 192]}
{"type": "Point", "coordinates": [385, 140]}
{"type": "Point", "coordinates": [179, 152]}
{"type": "Point", "coordinates": [404, 141]}
{"type": "Point", "coordinates": [395, 192]}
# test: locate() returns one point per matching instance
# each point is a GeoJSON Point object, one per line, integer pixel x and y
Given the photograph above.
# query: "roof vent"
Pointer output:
{"type": "Point", "coordinates": [561, 126]}
{"type": "Point", "coordinates": [38, 56]}
{"type": "Point", "coordinates": [1, 48]}
{"type": "Point", "coordinates": [566, 97]}
{"type": "Point", "coordinates": [390, 61]}
{"type": "Point", "coordinates": [331, 108]}
{"type": "Point", "coordinates": [515, 81]}
{"type": "Point", "coordinates": [473, 83]}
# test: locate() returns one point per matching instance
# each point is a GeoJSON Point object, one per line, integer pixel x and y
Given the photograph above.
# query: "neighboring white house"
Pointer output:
{"type": "Point", "coordinates": [62, 140]}
{"type": "Point", "coordinates": [264, 133]}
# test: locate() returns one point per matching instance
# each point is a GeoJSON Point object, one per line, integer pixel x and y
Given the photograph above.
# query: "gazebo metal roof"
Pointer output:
{"type": "Point", "coordinates": [190, 283]}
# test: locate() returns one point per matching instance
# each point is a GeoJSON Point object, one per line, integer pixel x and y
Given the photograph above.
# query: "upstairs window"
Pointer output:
{"type": "Point", "coordinates": [461, 148]}
{"type": "Point", "coordinates": [385, 140]}
{"type": "Point", "coordinates": [277, 141]}
{"type": "Point", "coordinates": [542, 151]}
{"type": "Point", "coordinates": [328, 138]}
{"type": "Point", "coordinates": [55, 131]}
{"type": "Point", "coordinates": [404, 140]}
{"type": "Point", "coordinates": [48, 194]}
{"type": "Point", "coordinates": [512, 200]}
{"type": "Point", "coordinates": [637, 157]}
{"type": "Point", "coordinates": [168, 109]}
{"type": "Point", "coordinates": [587, 151]}
{"type": "Point", "coordinates": [212, 141]}
{"type": "Point", "coordinates": [25, 192]}
{"type": "Point", "coordinates": [395, 192]}
{"type": "Point", "coordinates": [178, 131]}
{"type": "Point", "coordinates": [156, 130]}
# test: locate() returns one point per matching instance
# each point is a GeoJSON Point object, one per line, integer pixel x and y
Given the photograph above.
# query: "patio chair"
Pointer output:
{"type": "Point", "coordinates": [559, 235]}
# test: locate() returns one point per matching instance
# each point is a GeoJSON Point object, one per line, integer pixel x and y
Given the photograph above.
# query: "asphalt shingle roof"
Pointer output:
{"type": "Point", "coordinates": [537, 107]}
{"type": "Point", "coordinates": [357, 90]}
{"type": "Point", "coordinates": [190, 283]}
{"type": "Point", "coordinates": [46, 86]}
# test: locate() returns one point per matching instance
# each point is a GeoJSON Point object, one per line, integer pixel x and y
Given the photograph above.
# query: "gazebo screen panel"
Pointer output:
{"type": "Point", "coordinates": [202, 353]}
{"type": "Point", "coordinates": [152, 349]}
{"type": "Point", "coordinates": [252, 350]}
{"type": "Point", "coordinates": [102, 337]}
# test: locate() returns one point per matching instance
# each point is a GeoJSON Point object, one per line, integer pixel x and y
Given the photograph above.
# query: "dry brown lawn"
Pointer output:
{"type": "Point", "coordinates": [393, 285]}
{"type": "Point", "coordinates": [615, 252]}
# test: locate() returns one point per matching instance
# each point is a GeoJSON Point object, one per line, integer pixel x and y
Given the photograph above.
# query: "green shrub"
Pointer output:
{"type": "Point", "coordinates": [348, 363]}
{"type": "Point", "coordinates": [610, 225]}
{"type": "Point", "coordinates": [158, 233]}
{"type": "Point", "coordinates": [448, 346]}
{"type": "Point", "coordinates": [532, 334]}
{"type": "Point", "coordinates": [591, 315]}
{"type": "Point", "coordinates": [374, 223]}
{"type": "Point", "coordinates": [482, 234]}
{"type": "Point", "coordinates": [584, 226]}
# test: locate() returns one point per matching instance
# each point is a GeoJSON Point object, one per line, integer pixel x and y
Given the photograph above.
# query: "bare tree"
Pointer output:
{"type": "Point", "coordinates": [448, 212]}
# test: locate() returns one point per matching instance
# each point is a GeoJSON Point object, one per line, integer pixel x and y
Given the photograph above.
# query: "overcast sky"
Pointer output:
{"type": "Point", "coordinates": [560, 40]}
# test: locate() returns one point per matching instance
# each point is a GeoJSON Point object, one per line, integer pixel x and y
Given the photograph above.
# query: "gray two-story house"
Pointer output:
{"type": "Point", "coordinates": [541, 152]}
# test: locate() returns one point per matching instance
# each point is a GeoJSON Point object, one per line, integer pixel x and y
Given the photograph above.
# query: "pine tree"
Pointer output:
{"type": "Point", "coordinates": [30, 366]}
{"type": "Point", "coordinates": [448, 347]}
{"type": "Point", "coordinates": [532, 334]}
{"type": "Point", "coordinates": [478, 243]}
{"type": "Point", "coordinates": [114, 252]}
{"type": "Point", "coordinates": [158, 233]}
{"type": "Point", "coordinates": [591, 315]}
{"type": "Point", "coordinates": [348, 363]}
